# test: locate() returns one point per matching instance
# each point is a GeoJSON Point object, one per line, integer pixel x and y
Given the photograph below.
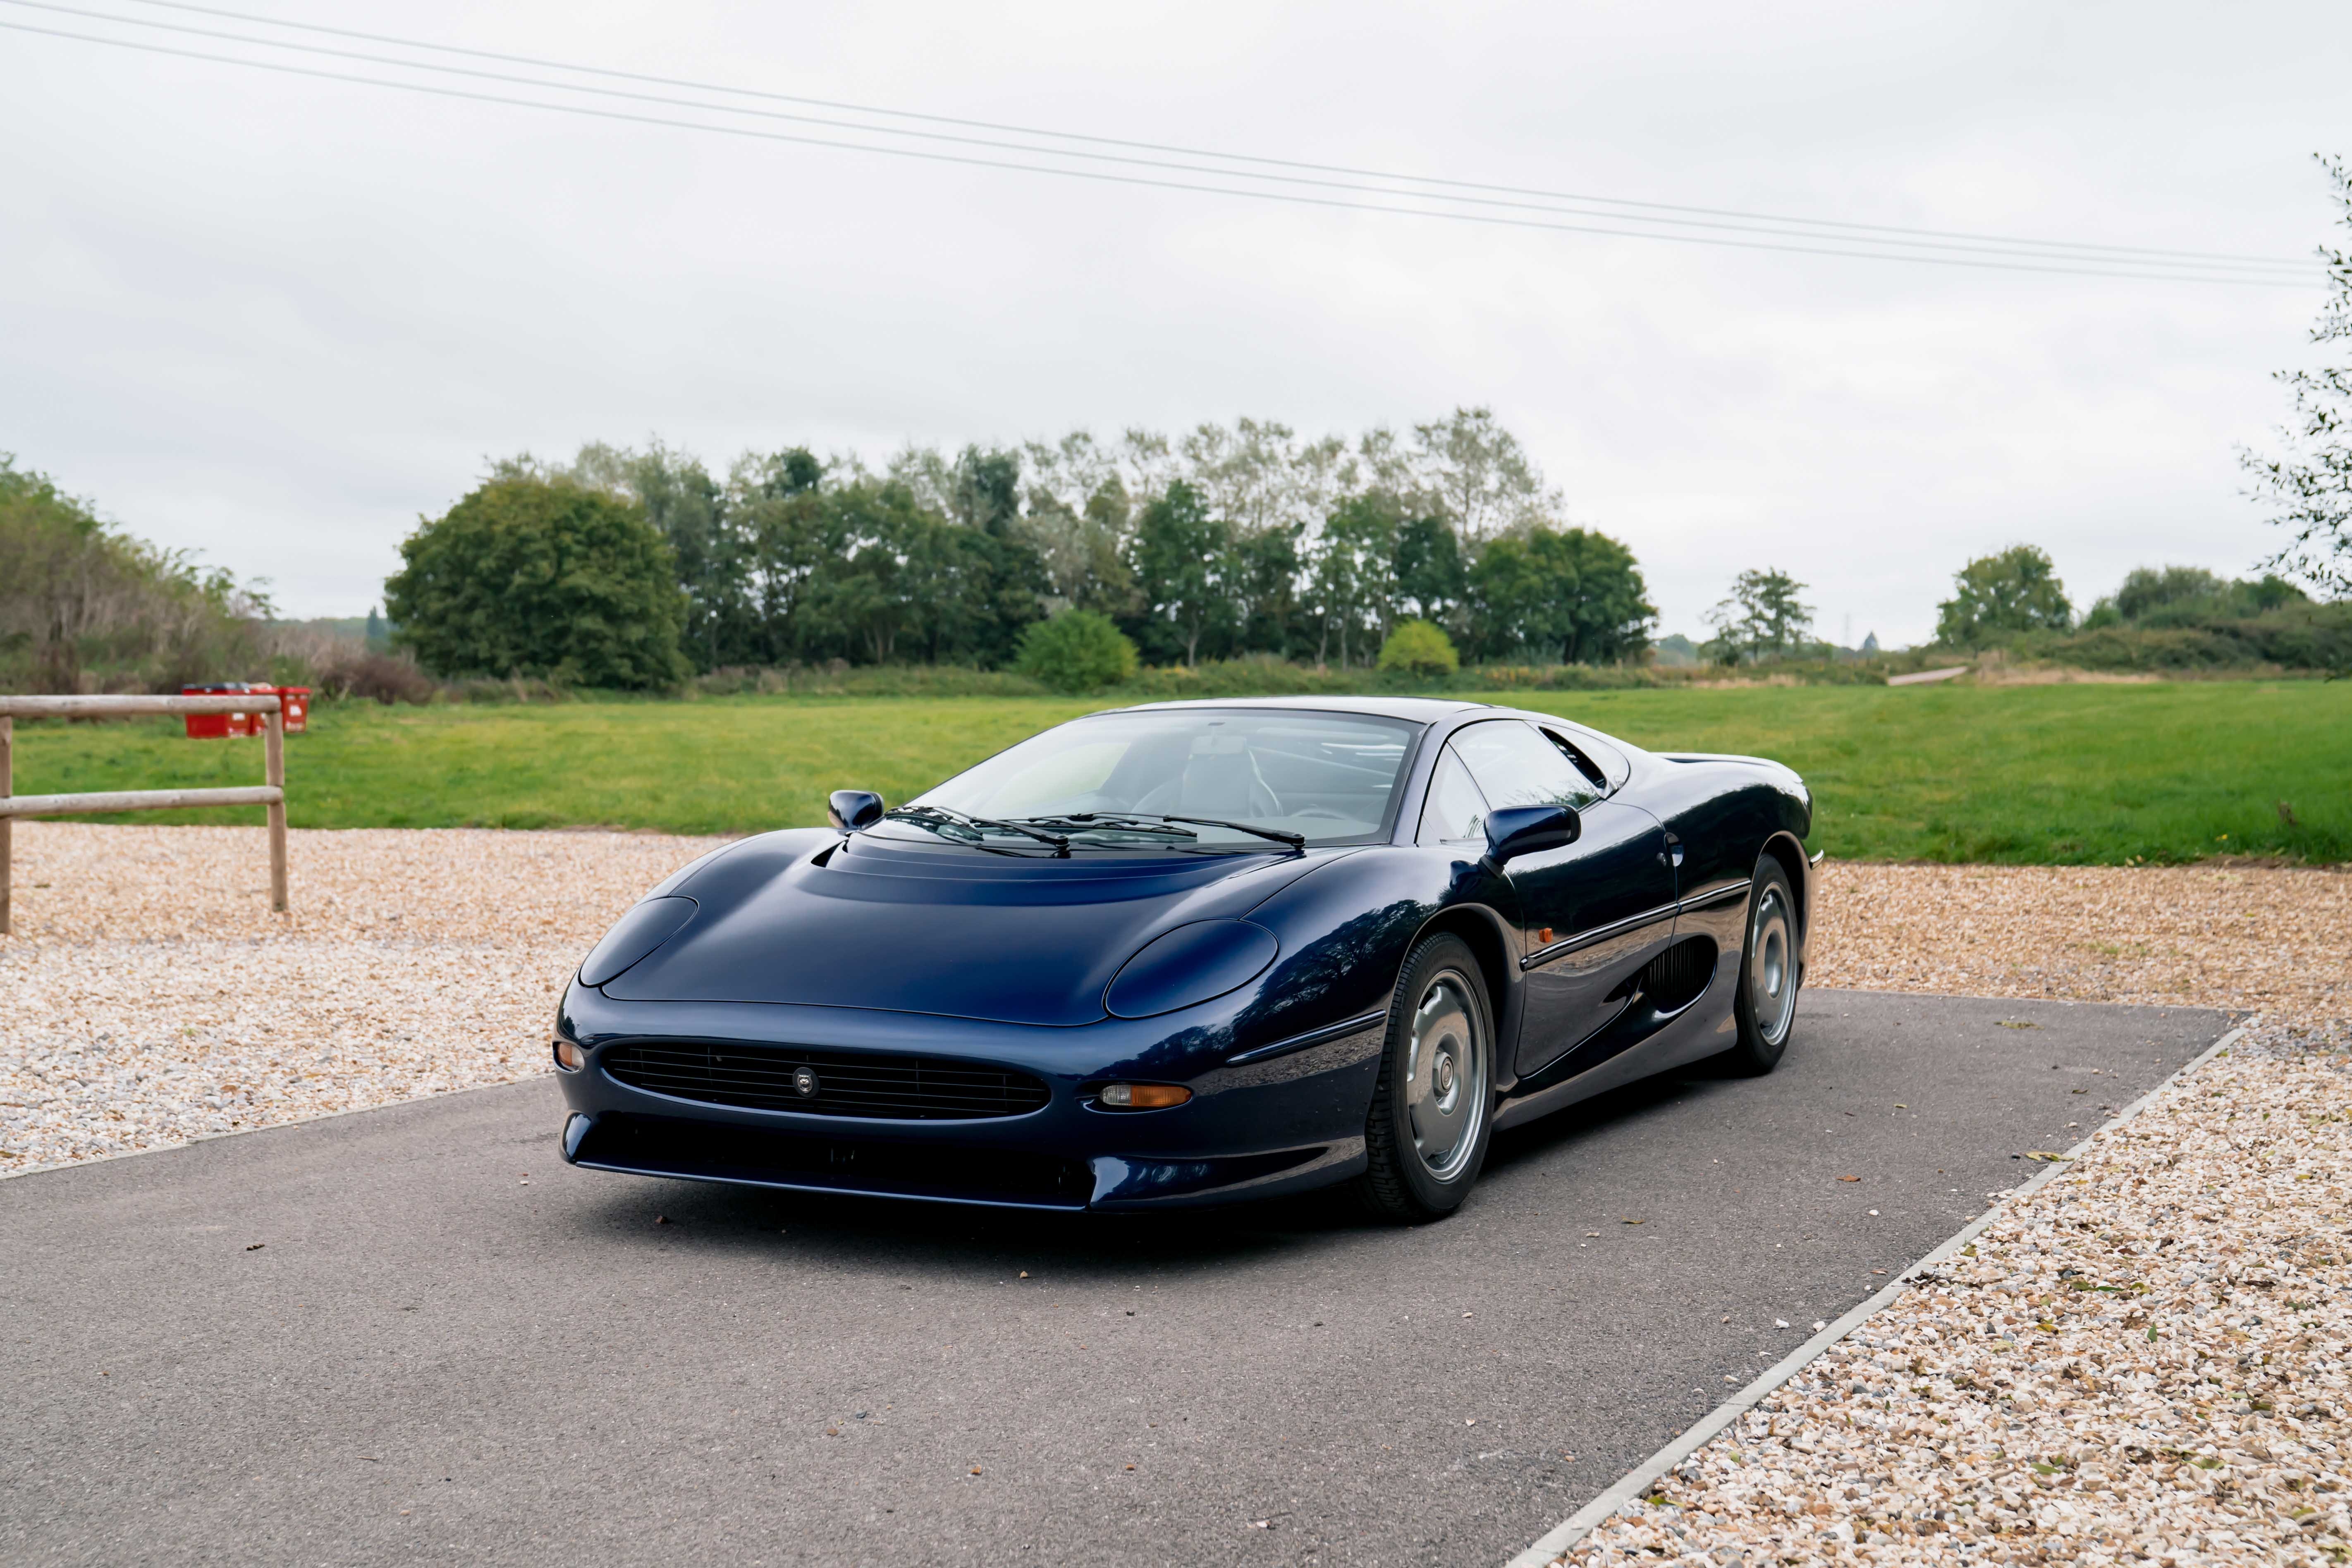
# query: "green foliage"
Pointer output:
{"type": "Point", "coordinates": [1430, 577]}
{"type": "Point", "coordinates": [1762, 618]}
{"type": "Point", "coordinates": [1418, 647]}
{"type": "Point", "coordinates": [1354, 573]}
{"type": "Point", "coordinates": [83, 603]}
{"type": "Point", "coordinates": [1077, 651]}
{"type": "Point", "coordinates": [2075, 775]}
{"type": "Point", "coordinates": [1181, 570]}
{"type": "Point", "coordinates": [1995, 596]}
{"type": "Point", "coordinates": [2295, 636]}
{"type": "Point", "coordinates": [880, 577]}
{"type": "Point", "coordinates": [1224, 541]}
{"type": "Point", "coordinates": [2188, 597]}
{"type": "Point", "coordinates": [538, 577]}
{"type": "Point", "coordinates": [1569, 595]}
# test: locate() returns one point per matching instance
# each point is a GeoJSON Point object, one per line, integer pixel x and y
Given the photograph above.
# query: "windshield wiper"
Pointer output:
{"type": "Point", "coordinates": [1108, 822]}
{"type": "Point", "coordinates": [932, 816]}
{"type": "Point", "coordinates": [1279, 835]}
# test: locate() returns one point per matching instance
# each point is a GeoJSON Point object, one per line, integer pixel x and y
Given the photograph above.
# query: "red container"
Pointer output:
{"type": "Point", "coordinates": [213, 726]}
{"type": "Point", "coordinates": [294, 701]}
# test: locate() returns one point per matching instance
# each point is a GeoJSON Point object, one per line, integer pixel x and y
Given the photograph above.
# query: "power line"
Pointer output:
{"type": "Point", "coordinates": [1772, 229]}
{"type": "Point", "coordinates": [2088, 269]}
{"type": "Point", "coordinates": [543, 63]}
{"type": "Point", "coordinates": [1775, 229]}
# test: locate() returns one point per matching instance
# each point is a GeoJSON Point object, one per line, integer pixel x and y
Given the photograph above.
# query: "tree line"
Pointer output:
{"type": "Point", "coordinates": [82, 597]}
{"type": "Point", "coordinates": [636, 566]}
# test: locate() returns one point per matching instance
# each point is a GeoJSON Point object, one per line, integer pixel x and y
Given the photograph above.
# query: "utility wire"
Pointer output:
{"type": "Point", "coordinates": [2089, 268]}
{"type": "Point", "coordinates": [1776, 228]}
{"type": "Point", "coordinates": [543, 63]}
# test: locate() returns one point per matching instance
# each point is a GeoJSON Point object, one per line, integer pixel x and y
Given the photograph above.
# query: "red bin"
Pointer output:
{"type": "Point", "coordinates": [294, 701]}
{"type": "Point", "coordinates": [213, 726]}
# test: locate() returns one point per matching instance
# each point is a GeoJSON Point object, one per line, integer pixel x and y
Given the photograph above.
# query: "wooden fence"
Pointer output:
{"type": "Point", "coordinates": [271, 792]}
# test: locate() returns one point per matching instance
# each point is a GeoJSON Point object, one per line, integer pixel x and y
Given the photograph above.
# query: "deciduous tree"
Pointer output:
{"type": "Point", "coordinates": [541, 577]}
{"type": "Point", "coordinates": [1761, 618]}
{"type": "Point", "coordinates": [1179, 561]}
{"type": "Point", "coordinates": [2311, 484]}
{"type": "Point", "coordinates": [2000, 595]}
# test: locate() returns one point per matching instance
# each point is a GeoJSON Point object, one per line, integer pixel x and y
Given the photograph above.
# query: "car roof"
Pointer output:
{"type": "Point", "coordinates": [1418, 710]}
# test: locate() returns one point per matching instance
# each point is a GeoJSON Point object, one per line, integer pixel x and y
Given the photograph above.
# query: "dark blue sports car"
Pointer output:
{"type": "Point", "coordinates": [1196, 951]}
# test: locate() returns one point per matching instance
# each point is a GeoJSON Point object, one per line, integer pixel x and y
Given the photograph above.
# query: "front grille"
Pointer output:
{"type": "Point", "coordinates": [769, 1077]}
{"type": "Point", "coordinates": [659, 1146]}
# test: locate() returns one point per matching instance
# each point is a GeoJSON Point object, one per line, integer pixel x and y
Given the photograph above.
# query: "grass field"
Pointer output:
{"type": "Point", "coordinates": [2031, 774]}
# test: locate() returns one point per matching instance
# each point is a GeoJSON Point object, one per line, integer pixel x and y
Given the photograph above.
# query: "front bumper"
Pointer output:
{"type": "Point", "coordinates": [1277, 1124]}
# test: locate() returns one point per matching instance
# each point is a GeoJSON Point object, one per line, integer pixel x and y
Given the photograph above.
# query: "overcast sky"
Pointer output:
{"type": "Point", "coordinates": [276, 319]}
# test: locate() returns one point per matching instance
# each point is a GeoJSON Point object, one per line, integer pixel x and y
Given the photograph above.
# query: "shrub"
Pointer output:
{"type": "Point", "coordinates": [1077, 651]}
{"type": "Point", "coordinates": [541, 578]}
{"type": "Point", "coordinates": [353, 671]}
{"type": "Point", "coordinates": [1419, 647]}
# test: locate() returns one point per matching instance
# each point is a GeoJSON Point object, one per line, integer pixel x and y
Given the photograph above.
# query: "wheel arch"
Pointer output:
{"type": "Point", "coordinates": [1482, 930]}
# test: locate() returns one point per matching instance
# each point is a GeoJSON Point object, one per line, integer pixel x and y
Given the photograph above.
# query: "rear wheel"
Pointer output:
{"type": "Point", "coordinates": [1770, 973]}
{"type": "Point", "coordinates": [1432, 1108]}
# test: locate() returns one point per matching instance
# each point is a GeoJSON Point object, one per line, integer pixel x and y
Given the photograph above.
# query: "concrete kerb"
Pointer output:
{"type": "Point", "coordinates": [1556, 1542]}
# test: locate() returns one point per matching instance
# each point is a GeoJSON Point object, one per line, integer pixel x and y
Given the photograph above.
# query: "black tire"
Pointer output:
{"type": "Point", "coordinates": [1433, 1110]}
{"type": "Point", "coordinates": [1771, 972]}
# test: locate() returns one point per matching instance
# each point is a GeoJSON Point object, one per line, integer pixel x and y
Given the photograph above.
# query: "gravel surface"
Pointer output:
{"type": "Point", "coordinates": [2144, 1359]}
{"type": "Point", "coordinates": [151, 998]}
{"type": "Point", "coordinates": [2251, 938]}
{"type": "Point", "coordinates": [2147, 1360]}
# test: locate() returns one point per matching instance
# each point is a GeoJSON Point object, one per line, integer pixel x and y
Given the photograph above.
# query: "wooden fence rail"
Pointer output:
{"type": "Point", "coordinates": [271, 794]}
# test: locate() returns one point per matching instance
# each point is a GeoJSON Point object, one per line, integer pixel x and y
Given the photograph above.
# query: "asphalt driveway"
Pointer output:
{"type": "Point", "coordinates": [414, 1334]}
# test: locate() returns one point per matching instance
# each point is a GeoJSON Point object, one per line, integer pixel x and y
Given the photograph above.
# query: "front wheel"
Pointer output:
{"type": "Point", "coordinates": [1770, 973]}
{"type": "Point", "coordinates": [1432, 1108]}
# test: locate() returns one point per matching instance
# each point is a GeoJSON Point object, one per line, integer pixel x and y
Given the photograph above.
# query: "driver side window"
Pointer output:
{"type": "Point", "coordinates": [1516, 764]}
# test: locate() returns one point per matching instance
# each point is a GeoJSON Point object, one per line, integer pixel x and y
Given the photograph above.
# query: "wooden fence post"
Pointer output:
{"type": "Point", "coordinates": [7, 787]}
{"type": "Point", "coordinates": [274, 775]}
{"type": "Point", "coordinates": [271, 795]}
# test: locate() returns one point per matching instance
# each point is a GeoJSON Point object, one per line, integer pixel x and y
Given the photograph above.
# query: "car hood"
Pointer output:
{"type": "Point", "coordinates": [802, 917]}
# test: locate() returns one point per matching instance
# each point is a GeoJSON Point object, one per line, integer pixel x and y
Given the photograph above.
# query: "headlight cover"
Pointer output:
{"type": "Point", "coordinates": [634, 937]}
{"type": "Point", "coordinates": [1189, 964]}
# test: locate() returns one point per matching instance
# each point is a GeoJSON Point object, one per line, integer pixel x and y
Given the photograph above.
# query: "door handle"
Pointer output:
{"type": "Point", "coordinates": [1674, 849]}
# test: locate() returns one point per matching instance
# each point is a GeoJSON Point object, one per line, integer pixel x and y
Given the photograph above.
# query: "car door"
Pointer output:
{"type": "Point", "coordinates": [1592, 912]}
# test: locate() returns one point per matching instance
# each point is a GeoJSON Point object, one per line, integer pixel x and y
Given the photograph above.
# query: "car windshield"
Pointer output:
{"type": "Point", "coordinates": [1186, 779]}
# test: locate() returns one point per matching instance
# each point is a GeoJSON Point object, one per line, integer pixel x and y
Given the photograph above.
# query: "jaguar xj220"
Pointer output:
{"type": "Point", "coordinates": [1197, 952]}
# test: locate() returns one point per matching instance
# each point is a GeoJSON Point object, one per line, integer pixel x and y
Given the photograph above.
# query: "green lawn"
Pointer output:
{"type": "Point", "coordinates": [2073, 774]}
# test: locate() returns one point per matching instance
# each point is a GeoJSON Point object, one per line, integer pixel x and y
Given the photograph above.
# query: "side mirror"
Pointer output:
{"type": "Point", "coordinates": [853, 810]}
{"type": "Point", "coordinates": [1527, 829]}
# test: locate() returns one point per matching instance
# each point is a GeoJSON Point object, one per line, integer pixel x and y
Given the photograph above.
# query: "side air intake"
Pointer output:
{"type": "Point", "coordinates": [1675, 978]}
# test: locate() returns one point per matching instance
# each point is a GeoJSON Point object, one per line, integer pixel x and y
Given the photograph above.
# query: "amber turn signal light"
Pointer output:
{"type": "Point", "coordinates": [569, 1056]}
{"type": "Point", "coordinates": [1144, 1096]}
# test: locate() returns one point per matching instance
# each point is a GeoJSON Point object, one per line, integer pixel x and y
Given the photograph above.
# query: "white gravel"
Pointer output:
{"type": "Point", "coordinates": [150, 997]}
{"type": "Point", "coordinates": [2148, 1359]}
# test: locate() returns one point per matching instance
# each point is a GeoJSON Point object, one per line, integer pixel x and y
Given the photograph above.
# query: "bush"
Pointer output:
{"type": "Point", "coordinates": [353, 671]}
{"type": "Point", "coordinates": [1419, 647]}
{"type": "Point", "coordinates": [541, 578]}
{"type": "Point", "coordinates": [1077, 651]}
